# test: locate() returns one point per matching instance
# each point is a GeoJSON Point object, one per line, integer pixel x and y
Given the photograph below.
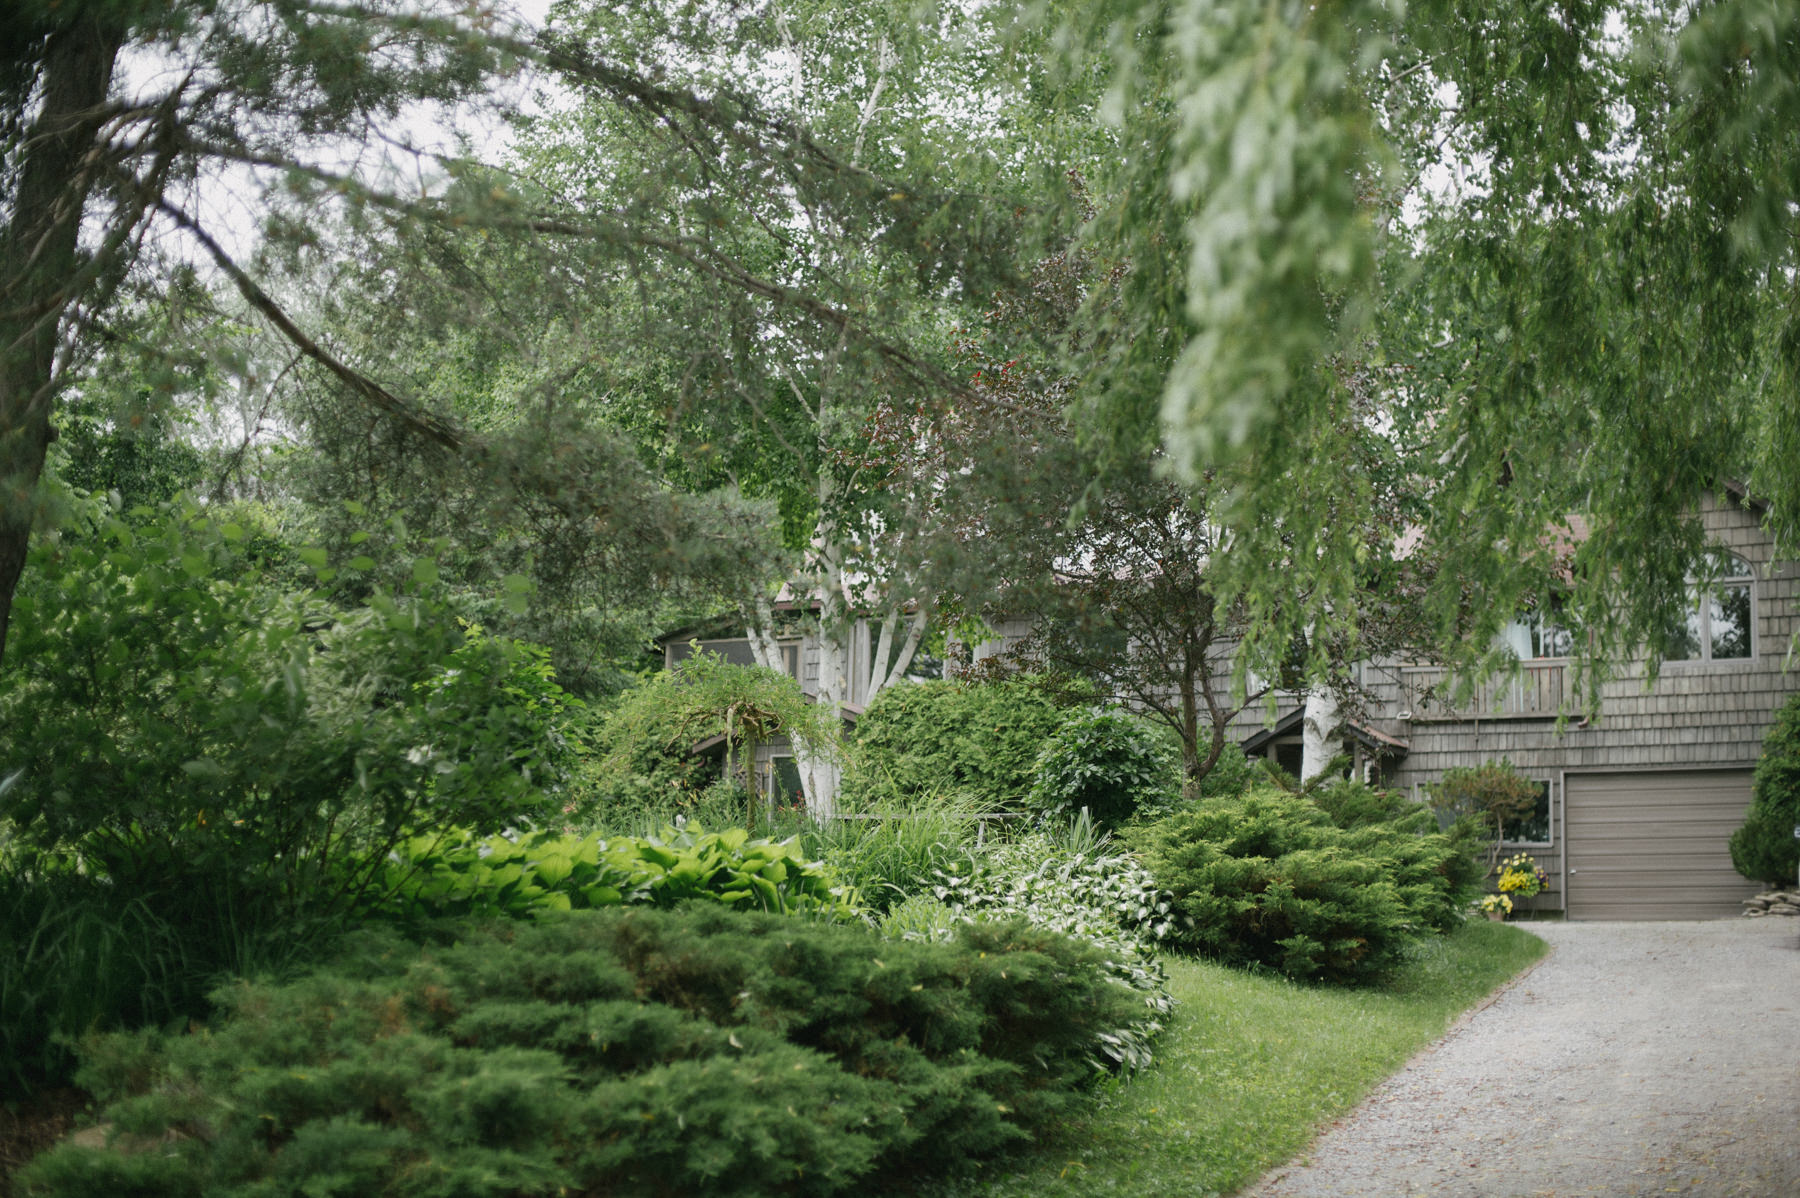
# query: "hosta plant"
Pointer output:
{"type": "Point", "coordinates": [1096, 892]}
{"type": "Point", "coordinates": [463, 875]}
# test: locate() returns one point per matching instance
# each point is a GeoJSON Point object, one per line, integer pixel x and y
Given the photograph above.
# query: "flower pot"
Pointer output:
{"type": "Point", "coordinates": [1497, 916]}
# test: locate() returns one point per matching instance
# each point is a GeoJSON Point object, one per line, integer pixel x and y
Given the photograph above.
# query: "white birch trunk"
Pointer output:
{"type": "Point", "coordinates": [1321, 729]}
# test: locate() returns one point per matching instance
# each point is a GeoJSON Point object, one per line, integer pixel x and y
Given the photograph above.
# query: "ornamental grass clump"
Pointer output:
{"type": "Point", "coordinates": [1268, 879]}
{"type": "Point", "coordinates": [615, 1054]}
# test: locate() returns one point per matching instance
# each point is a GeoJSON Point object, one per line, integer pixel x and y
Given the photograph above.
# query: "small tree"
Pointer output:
{"type": "Point", "coordinates": [1491, 795]}
{"type": "Point", "coordinates": [1765, 849]}
{"type": "Point", "coordinates": [643, 748]}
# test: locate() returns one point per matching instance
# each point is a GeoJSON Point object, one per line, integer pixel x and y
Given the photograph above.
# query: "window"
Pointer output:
{"type": "Point", "coordinates": [1539, 634]}
{"type": "Point", "coordinates": [1534, 828]}
{"type": "Point", "coordinates": [781, 782]}
{"type": "Point", "coordinates": [1720, 620]}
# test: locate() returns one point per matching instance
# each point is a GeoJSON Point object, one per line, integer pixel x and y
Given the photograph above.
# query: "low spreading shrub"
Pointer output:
{"type": "Point", "coordinates": [1764, 848]}
{"type": "Point", "coordinates": [461, 875]}
{"type": "Point", "coordinates": [1108, 763]}
{"type": "Point", "coordinates": [1268, 879]}
{"type": "Point", "coordinates": [607, 1053]}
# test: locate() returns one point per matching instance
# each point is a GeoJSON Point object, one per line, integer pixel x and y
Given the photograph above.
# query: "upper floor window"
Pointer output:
{"type": "Point", "coordinates": [1719, 619]}
{"type": "Point", "coordinates": [1539, 634]}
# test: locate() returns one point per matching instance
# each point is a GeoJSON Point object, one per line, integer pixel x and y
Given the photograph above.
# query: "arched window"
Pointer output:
{"type": "Point", "coordinates": [1721, 619]}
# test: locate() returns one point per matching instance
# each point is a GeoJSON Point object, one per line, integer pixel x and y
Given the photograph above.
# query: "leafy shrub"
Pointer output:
{"type": "Point", "coordinates": [170, 715]}
{"type": "Point", "coordinates": [1087, 889]}
{"type": "Point", "coordinates": [1268, 879]}
{"type": "Point", "coordinates": [202, 770]}
{"type": "Point", "coordinates": [1232, 774]}
{"type": "Point", "coordinates": [458, 874]}
{"type": "Point", "coordinates": [1764, 848]}
{"type": "Point", "coordinates": [931, 739]}
{"type": "Point", "coordinates": [608, 1053]}
{"type": "Point", "coordinates": [1106, 762]}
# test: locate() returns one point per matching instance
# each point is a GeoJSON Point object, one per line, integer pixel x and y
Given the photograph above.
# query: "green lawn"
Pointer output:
{"type": "Point", "coordinates": [1250, 1067]}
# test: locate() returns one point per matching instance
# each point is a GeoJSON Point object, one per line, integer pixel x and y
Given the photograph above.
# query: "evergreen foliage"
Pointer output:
{"type": "Point", "coordinates": [1268, 879]}
{"type": "Point", "coordinates": [981, 739]}
{"type": "Point", "coordinates": [1765, 848]}
{"type": "Point", "coordinates": [608, 1053]}
{"type": "Point", "coordinates": [1107, 762]}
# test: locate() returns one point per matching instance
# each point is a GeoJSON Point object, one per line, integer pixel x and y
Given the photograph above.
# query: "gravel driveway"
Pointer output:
{"type": "Point", "coordinates": [1637, 1058]}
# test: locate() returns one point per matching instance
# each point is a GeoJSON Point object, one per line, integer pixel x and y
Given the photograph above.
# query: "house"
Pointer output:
{"type": "Point", "coordinates": [1638, 802]}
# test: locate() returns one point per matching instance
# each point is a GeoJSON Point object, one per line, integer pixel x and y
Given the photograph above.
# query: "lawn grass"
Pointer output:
{"type": "Point", "coordinates": [1249, 1069]}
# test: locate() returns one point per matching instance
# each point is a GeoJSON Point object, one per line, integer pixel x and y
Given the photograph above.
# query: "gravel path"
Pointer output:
{"type": "Point", "coordinates": [1637, 1058]}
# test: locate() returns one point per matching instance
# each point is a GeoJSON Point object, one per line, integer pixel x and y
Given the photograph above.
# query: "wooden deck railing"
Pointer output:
{"type": "Point", "coordinates": [1535, 692]}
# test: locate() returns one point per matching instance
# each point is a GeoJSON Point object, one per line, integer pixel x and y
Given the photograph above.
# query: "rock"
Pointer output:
{"type": "Point", "coordinates": [1784, 909]}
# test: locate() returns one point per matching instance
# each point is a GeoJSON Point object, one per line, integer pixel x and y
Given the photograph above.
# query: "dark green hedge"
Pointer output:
{"type": "Point", "coordinates": [617, 1052]}
{"type": "Point", "coordinates": [1764, 849]}
{"type": "Point", "coordinates": [1269, 879]}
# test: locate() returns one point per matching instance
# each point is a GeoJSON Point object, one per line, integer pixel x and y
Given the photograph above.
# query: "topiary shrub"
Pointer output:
{"type": "Point", "coordinates": [1107, 762]}
{"type": "Point", "coordinates": [1267, 879]}
{"type": "Point", "coordinates": [606, 1053]}
{"type": "Point", "coordinates": [1764, 849]}
{"type": "Point", "coordinates": [927, 739]}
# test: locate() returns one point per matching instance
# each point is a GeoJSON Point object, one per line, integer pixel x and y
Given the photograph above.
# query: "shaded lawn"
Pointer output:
{"type": "Point", "coordinates": [1250, 1069]}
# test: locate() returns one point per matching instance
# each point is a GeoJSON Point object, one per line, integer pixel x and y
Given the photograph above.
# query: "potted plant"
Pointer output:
{"type": "Point", "coordinates": [1496, 906]}
{"type": "Point", "coordinates": [1521, 878]}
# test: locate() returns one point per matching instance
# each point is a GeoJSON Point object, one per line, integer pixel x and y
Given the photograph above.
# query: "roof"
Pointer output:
{"type": "Point", "coordinates": [1372, 739]}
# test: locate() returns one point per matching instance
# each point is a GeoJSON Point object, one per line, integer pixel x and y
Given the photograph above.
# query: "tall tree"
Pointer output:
{"type": "Point", "coordinates": [1565, 231]}
{"type": "Point", "coordinates": [292, 102]}
{"type": "Point", "coordinates": [778, 399]}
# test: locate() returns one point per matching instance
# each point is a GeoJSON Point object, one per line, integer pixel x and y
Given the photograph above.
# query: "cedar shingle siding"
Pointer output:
{"type": "Point", "coordinates": [1696, 714]}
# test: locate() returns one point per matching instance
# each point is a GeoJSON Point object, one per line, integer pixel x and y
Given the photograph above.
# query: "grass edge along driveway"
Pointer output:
{"type": "Point", "coordinates": [1250, 1069]}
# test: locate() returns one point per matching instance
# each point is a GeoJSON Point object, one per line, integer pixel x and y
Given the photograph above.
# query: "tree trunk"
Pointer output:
{"type": "Point", "coordinates": [1321, 730]}
{"type": "Point", "coordinates": [38, 261]}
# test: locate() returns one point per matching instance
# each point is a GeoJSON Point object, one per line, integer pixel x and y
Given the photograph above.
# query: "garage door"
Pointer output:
{"type": "Point", "coordinates": [1653, 845]}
